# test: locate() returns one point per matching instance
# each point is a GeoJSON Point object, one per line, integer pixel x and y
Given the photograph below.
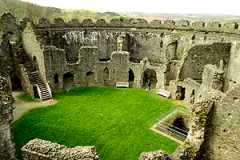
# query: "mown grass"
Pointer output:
{"type": "Point", "coordinates": [117, 121]}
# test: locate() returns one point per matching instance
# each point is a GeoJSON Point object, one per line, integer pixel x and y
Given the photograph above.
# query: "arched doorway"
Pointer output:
{"type": "Point", "coordinates": [106, 76]}
{"type": "Point", "coordinates": [149, 79]}
{"type": "Point", "coordinates": [130, 78]}
{"type": "Point", "coordinates": [68, 81]}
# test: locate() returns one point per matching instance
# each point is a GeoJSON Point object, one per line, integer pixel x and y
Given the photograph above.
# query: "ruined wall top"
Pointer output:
{"type": "Point", "coordinates": [46, 150]}
{"type": "Point", "coordinates": [211, 26]}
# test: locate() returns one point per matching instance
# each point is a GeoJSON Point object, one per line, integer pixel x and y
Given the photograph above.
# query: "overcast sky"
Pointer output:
{"type": "Point", "coordinates": [227, 7]}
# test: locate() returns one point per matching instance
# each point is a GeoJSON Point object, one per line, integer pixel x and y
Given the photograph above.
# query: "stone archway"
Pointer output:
{"type": "Point", "coordinates": [68, 79]}
{"type": "Point", "coordinates": [149, 79]}
{"type": "Point", "coordinates": [131, 78]}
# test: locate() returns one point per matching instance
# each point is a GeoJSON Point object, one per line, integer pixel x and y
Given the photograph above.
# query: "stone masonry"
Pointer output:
{"type": "Point", "coordinates": [194, 61]}
{"type": "Point", "coordinates": [38, 149]}
{"type": "Point", "coordinates": [7, 148]}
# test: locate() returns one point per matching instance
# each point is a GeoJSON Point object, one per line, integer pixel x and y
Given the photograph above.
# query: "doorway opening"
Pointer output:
{"type": "Point", "coordinates": [68, 81]}
{"type": "Point", "coordinates": [130, 78]}
{"type": "Point", "coordinates": [180, 94]}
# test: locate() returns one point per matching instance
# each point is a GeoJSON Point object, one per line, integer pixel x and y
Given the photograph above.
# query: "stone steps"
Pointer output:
{"type": "Point", "coordinates": [35, 78]}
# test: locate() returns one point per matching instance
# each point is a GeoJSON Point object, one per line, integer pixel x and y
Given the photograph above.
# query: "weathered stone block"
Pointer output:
{"type": "Point", "coordinates": [38, 149]}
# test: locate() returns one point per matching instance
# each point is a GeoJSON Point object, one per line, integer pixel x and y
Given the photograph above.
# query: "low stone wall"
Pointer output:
{"type": "Point", "coordinates": [155, 155]}
{"type": "Point", "coordinates": [38, 149]}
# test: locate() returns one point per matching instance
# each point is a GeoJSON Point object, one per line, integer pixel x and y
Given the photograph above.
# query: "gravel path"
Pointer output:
{"type": "Point", "coordinates": [23, 106]}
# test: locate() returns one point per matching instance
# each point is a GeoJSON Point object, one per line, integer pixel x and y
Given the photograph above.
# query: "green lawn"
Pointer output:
{"type": "Point", "coordinates": [117, 121]}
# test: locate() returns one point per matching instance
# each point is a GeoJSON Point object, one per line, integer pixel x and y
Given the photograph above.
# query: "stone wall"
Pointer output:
{"type": "Point", "coordinates": [228, 27]}
{"type": "Point", "coordinates": [213, 78]}
{"type": "Point", "coordinates": [171, 50]}
{"type": "Point", "coordinates": [7, 148]}
{"type": "Point", "coordinates": [120, 60]}
{"type": "Point", "coordinates": [38, 149]}
{"type": "Point", "coordinates": [88, 60]}
{"type": "Point", "coordinates": [191, 89]}
{"type": "Point", "coordinates": [154, 155]}
{"type": "Point", "coordinates": [222, 137]}
{"type": "Point", "coordinates": [200, 115]}
{"type": "Point", "coordinates": [101, 53]}
{"type": "Point", "coordinates": [233, 72]}
{"type": "Point", "coordinates": [201, 55]}
{"type": "Point", "coordinates": [34, 49]}
{"type": "Point", "coordinates": [176, 50]}
{"type": "Point", "coordinates": [55, 62]}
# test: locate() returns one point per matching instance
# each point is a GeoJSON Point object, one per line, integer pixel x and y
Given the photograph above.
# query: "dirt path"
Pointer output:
{"type": "Point", "coordinates": [23, 106]}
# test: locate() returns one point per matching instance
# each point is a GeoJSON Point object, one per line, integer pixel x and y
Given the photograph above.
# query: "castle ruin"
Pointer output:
{"type": "Point", "coordinates": [197, 62]}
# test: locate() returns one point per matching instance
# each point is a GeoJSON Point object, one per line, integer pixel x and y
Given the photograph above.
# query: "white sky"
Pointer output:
{"type": "Point", "coordinates": [227, 7]}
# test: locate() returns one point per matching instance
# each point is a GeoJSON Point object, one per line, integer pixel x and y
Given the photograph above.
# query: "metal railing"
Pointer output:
{"type": "Point", "coordinates": [172, 130]}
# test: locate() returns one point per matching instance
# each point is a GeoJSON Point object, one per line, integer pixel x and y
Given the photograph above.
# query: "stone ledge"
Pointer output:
{"type": "Point", "coordinates": [154, 155]}
{"type": "Point", "coordinates": [37, 149]}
